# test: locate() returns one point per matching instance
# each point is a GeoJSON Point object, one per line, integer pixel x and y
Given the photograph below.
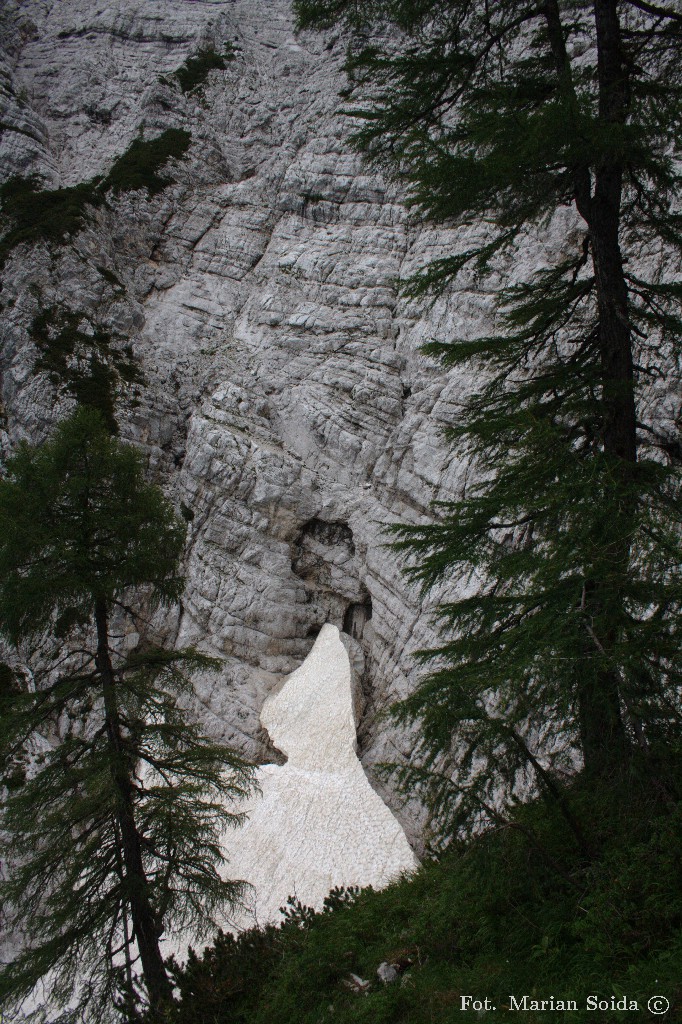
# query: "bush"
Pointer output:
{"type": "Point", "coordinates": [85, 363]}
{"type": "Point", "coordinates": [193, 73]}
{"type": "Point", "coordinates": [53, 215]}
{"type": "Point", "coordinates": [43, 215]}
{"type": "Point", "coordinates": [139, 166]}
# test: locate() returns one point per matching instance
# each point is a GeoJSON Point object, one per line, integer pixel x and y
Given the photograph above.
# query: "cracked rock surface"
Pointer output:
{"type": "Point", "coordinates": [287, 408]}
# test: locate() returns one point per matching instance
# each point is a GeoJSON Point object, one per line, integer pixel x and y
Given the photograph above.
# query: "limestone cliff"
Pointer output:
{"type": "Point", "coordinates": [285, 404]}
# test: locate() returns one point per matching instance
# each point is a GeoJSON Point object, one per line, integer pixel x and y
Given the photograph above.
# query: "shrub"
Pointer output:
{"type": "Point", "coordinates": [193, 73]}
{"type": "Point", "coordinates": [85, 363]}
{"type": "Point", "coordinates": [139, 166]}
{"type": "Point", "coordinates": [53, 215]}
{"type": "Point", "coordinates": [44, 215]}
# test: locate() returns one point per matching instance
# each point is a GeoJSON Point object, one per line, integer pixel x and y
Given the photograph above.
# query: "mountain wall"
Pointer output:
{"type": "Point", "coordinates": [285, 404]}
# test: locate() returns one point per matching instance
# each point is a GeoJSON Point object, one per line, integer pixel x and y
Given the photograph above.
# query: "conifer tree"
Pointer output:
{"type": "Point", "coordinates": [495, 116]}
{"type": "Point", "coordinates": [112, 837]}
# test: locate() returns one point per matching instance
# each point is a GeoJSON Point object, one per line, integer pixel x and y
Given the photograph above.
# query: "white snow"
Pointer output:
{"type": "Point", "coordinates": [317, 823]}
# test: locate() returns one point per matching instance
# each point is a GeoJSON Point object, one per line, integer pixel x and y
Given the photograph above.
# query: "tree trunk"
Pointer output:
{"type": "Point", "coordinates": [603, 733]}
{"type": "Point", "coordinates": [615, 335]}
{"type": "Point", "coordinates": [145, 927]}
{"type": "Point", "coordinates": [603, 736]}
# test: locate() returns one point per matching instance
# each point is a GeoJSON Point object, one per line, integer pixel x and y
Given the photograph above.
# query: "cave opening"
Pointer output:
{"type": "Point", "coordinates": [356, 616]}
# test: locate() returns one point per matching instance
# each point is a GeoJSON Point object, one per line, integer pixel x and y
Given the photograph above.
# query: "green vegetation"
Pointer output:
{"type": "Point", "coordinates": [567, 541]}
{"type": "Point", "coordinates": [43, 215]}
{"type": "Point", "coordinates": [498, 916]}
{"type": "Point", "coordinates": [78, 356]}
{"type": "Point", "coordinates": [193, 73]}
{"type": "Point", "coordinates": [113, 835]}
{"type": "Point", "coordinates": [53, 215]}
{"type": "Point", "coordinates": [141, 163]}
{"type": "Point", "coordinates": [9, 682]}
{"type": "Point", "coordinates": [82, 359]}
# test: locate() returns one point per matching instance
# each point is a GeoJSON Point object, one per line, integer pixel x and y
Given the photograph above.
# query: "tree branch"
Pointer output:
{"type": "Point", "coordinates": [656, 10]}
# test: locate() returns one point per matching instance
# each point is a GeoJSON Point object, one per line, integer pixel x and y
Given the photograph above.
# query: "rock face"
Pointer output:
{"type": "Point", "coordinates": [286, 406]}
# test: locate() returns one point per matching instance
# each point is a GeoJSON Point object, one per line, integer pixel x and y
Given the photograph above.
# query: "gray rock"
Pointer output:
{"type": "Point", "coordinates": [287, 404]}
{"type": "Point", "coordinates": [387, 973]}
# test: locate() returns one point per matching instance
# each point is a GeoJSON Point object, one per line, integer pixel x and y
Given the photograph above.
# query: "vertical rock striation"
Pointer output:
{"type": "Point", "coordinates": [286, 406]}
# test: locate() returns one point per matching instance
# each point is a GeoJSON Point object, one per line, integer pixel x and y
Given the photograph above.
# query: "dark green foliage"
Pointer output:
{"type": "Point", "coordinates": [53, 215]}
{"type": "Point", "coordinates": [9, 683]}
{"type": "Point", "coordinates": [43, 215]}
{"type": "Point", "coordinates": [12, 766]}
{"type": "Point", "coordinates": [113, 835]}
{"type": "Point", "coordinates": [141, 163]}
{"type": "Point", "coordinates": [79, 521]}
{"type": "Point", "coordinates": [524, 649]}
{"type": "Point", "coordinates": [495, 917]}
{"type": "Point", "coordinates": [80, 357]}
{"type": "Point", "coordinates": [87, 362]}
{"type": "Point", "coordinates": [568, 546]}
{"type": "Point", "coordinates": [226, 982]}
{"type": "Point", "coordinates": [193, 73]}
{"type": "Point", "coordinates": [64, 847]}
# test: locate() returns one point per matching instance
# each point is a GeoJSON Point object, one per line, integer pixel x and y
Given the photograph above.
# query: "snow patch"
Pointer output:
{"type": "Point", "coordinates": [317, 822]}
